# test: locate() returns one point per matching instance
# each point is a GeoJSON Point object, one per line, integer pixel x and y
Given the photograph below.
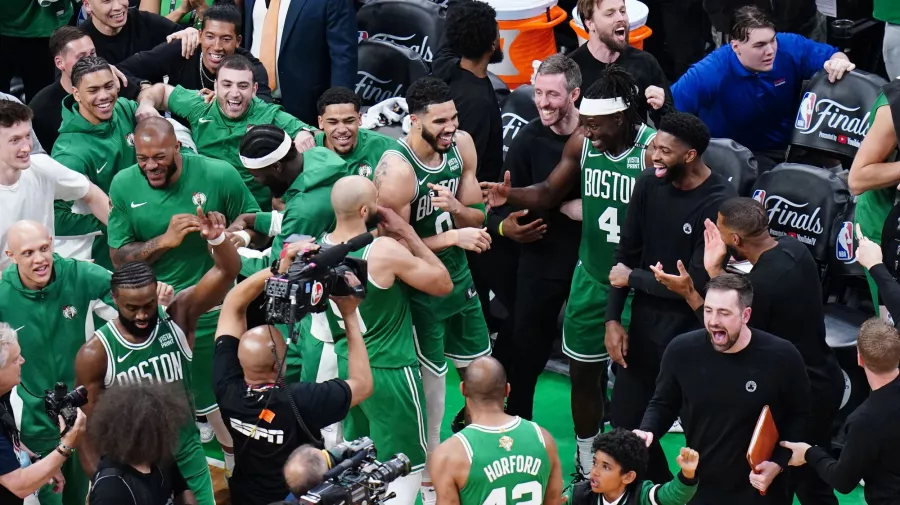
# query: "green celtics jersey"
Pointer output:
{"type": "Point", "coordinates": [606, 185]}
{"type": "Point", "coordinates": [873, 206]}
{"type": "Point", "coordinates": [363, 159]}
{"type": "Point", "coordinates": [218, 136]}
{"type": "Point", "coordinates": [26, 18]}
{"type": "Point", "coordinates": [384, 319]}
{"type": "Point", "coordinates": [509, 464]}
{"type": "Point", "coordinates": [141, 213]}
{"type": "Point", "coordinates": [164, 358]}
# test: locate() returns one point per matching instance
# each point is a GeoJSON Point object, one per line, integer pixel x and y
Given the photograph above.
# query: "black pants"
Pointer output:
{"type": "Point", "coordinates": [495, 270]}
{"type": "Point", "coordinates": [28, 58]}
{"type": "Point", "coordinates": [810, 488]}
{"type": "Point", "coordinates": [536, 315]}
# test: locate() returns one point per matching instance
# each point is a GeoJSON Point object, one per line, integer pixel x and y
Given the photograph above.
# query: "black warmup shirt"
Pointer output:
{"type": "Point", "coordinates": [664, 224]}
{"type": "Point", "coordinates": [9, 453]}
{"type": "Point", "coordinates": [888, 289]}
{"type": "Point", "coordinates": [642, 66]}
{"type": "Point", "coordinates": [533, 154]}
{"type": "Point", "coordinates": [871, 449]}
{"type": "Point", "coordinates": [719, 397]}
{"type": "Point", "coordinates": [47, 108]}
{"type": "Point", "coordinates": [787, 302]}
{"type": "Point", "coordinates": [142, 31]}
{"type": "Point", "coordinates": [259, 461]}
{"type": "Point", "coordinates": [479, 112]}
{"type": "Point", "coordinates": [166, 60]}
{"type": "Point", "coordinates": [158, 487]}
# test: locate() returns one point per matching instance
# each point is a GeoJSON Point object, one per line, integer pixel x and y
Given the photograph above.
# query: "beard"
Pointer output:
{"type": "Point", "coordinates": [135, 331]}
{"type": "Point", "coordinates": [170, 172]}
{"type": "Point", "coordinates": [279, 189]}
{"type": "Point", "coordinates": [730, 251]}
{"type": "Point", "coordinates": [675, 172]}
{"type": "Point", "coordinates": [731, 339]}
{"type": "Point", "coordinates": [373, 219]}
{"type": "Point", "coordinates": [497, 56]}
{"type": "Point", "coordinates": [610, 41]}
{"type": "Point", "coordinates": [432, 141]}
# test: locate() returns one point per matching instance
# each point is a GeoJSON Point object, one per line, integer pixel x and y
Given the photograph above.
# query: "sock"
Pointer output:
{"type": "Point", "coordinates": [429, 497]}
{"type": "Point", "coordinates": [435, 391]}
{"type": "Point", "coordinates": [585, 455]}
{"type": "Point", "coordinates": [229, 463]}
{"type": "Point", "coordinates": [407, 489]}
{"type": "Point", "coordinates": [215, 420]}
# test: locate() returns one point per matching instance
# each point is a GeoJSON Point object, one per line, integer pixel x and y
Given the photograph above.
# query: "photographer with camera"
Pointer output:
{"type": "Point", "coordinates": [23, 472]}
{"type": "Point", "coordinates": [267, 417]}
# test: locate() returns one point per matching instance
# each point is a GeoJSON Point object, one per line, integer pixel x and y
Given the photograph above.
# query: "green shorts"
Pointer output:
{"type": "Point", "coordinates": [462, 337]}
{"type": "Point", "coordinates": [202, 364]}
{"type": "Point", "coordinates": [194, 468]}
{"type": "Point", "coordinates": [393, 417]}
{"type": "Point", "coordinates": [584, 327]}
{"type": "Point", "coordinates": [76, 489]}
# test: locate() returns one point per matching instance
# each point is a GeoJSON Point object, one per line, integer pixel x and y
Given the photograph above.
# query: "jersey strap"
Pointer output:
{"type": "Point", "coordinates": [465, 443]}
{"type": "Point", "coordinates": [110, 362]}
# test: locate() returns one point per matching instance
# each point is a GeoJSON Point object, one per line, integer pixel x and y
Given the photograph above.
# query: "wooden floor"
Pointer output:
{"type": "Point", "coordinates": [220, 488]}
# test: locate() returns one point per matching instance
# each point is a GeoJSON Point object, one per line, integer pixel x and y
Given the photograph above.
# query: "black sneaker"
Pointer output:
{"type": "Point", "coordinates": [578, 475]}
{"type": "Point", "coordinates": [459, 422]}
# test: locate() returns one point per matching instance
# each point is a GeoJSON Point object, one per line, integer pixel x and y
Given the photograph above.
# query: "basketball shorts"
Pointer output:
{"type": "Point", "coordinates": [202, 364]}
{"type": "Point", "coordinates": [393, 417]}
{"type": "Point", "coordinates": [193, 466]}
{"type": "Point", "coordinates": [461, 336]}
{"type": "Point", "coordinates": [584, 327]}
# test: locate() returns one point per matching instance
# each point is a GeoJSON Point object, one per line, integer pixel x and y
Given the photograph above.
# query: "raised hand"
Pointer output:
{"type": "Point", "coordinates": [496, 193]}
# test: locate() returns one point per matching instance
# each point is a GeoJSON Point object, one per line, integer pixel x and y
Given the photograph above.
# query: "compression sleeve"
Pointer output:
{"type": "Point", "coordinates": [480, 206]}
{"type": "Point", "coordinates": [888, 288]}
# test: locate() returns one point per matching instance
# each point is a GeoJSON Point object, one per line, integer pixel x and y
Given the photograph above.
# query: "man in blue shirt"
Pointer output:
{"type": "Point", "coordinates": [750, 91]}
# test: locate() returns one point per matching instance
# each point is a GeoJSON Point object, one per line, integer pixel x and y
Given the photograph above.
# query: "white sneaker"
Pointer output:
{"type": "Point", "coordinates": [429, 496]}
{"type": "Point", "coordinates": [676, 427]}
{"type": "Point", "coordinates": [207, 434]}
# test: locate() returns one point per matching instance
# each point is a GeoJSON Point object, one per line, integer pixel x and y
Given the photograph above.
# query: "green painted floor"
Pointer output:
{"type": "Point", "coordinates": [552, 411]}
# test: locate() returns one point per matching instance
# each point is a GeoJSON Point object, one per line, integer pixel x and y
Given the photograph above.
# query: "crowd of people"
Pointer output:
{"type": "Point", "coordinates": [190, 159]}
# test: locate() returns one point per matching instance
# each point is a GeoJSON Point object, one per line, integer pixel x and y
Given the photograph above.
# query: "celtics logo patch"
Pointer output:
{"type": "Point", "coordinates": [199, 199]}
{"type": "Point", "coordinates": [130, 139]}
{"type": "Point", "coordinates": [69, 312]}
{"type": "Point", "coordinates": [365, 170]}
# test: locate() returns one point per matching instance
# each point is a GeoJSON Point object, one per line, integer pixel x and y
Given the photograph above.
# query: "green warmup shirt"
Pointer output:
{"type": "Point", "coordinates": [873, 206]}
{"type": "Point", "coordinates": [99, 152]}
{"type": "Point", "coordinates": [141, 213]}
{"type": "Point", "coordinates": [887, 11]}
{"type": "Point", "coordinates": [26, 18]}
{"type": "Point", "coordinates": [385, 321]}
{"type": "Point", "coordinates": [165, 357]}
{"type": "Point", "coordinates": [219, 137]}
{"type": "Point", "coordinates": [429, 221]}
{"type": "Point", "coordinates": [167, 6]}
{"type": "Point", "coordinates": [606, 185]}
{"type": "Point", "coordinates": [509, 464]}
{"type": "Point", "coordinates": [363, 159]}
{"type": "Point", "coordinates": [52, 325]}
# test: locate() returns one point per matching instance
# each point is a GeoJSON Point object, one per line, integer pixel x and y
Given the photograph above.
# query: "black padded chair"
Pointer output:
{"type": "Point", "coordinates": [517, 111]}
{"type": "Point", "coordinates": [734, 162]}
{"type": "Point", "coordinates": [833, 117]}
{"type": "Point", "coordinates": [414, 24]}
{"type": "Point", "coordinates": [386, 70]}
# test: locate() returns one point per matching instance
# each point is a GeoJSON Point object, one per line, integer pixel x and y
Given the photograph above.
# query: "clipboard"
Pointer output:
{"type": "Point", "coordinates": [765, 438]}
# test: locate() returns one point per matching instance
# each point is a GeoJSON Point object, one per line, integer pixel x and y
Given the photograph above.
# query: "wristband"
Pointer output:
{"type": "Point", "coordinates": [244, 236]}
{"type": "Point", "coordinates": [216, 241]}
{"type": "Point", "coordinates": [500, 229]}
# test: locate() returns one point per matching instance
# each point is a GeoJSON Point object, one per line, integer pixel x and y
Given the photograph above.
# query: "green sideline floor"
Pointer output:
{"type": "Point", "coordinates": [552, 411]}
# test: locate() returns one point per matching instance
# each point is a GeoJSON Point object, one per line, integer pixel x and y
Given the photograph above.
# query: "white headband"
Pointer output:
{"type": "Point", "coordinates": [601, 106]}
{"type": "Point", "coordinates": [276, 155]}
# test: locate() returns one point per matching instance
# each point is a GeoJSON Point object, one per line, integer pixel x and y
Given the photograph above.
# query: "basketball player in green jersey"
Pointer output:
{"type": "Point", "coordinates": [497, 458]}
{"type": "Point", "coordinates": [429, 179]}
{"type": "Point", "coordinates": [394, 416]}
{"type": "Point", "coordinates": [152, 343]}
{"type": "Point", "coordinates": [153, 220]}
{"type": "Point", "coordinates": [606, 154]}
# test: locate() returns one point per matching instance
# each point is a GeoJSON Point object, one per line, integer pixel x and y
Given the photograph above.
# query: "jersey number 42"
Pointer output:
{"type": "Point", "coordinates": [532, 491]}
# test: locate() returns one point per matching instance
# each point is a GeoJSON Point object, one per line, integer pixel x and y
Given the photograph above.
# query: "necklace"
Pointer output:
{"type": "Point", "coordinates": [204, 76]}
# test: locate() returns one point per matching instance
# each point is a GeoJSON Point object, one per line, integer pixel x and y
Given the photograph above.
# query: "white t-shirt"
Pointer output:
{"type": "Point", "coordinates": [259, 17]}
{"type": "Point", "coordinates": [32, 197]}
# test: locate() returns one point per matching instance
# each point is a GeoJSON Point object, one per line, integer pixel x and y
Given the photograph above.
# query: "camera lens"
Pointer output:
{"type": "Point", "coordinates": [78, 397]}
{"type": "Point", "coordinates": [392, 469]}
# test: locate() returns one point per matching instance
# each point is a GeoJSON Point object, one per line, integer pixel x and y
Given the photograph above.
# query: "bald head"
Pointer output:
{"type": "Point", "coordinates": [255, 351]}
{"type": "Point", "coordinates": [485, 381]}
{"type": "Point", "coordinates": [153, 128]}
{"type": "Point", "coordinates": [352, 193]}
{"type": "Point", "coordinates": [23, 232]}
{"type": "Point", "coordinates": [304, 469]}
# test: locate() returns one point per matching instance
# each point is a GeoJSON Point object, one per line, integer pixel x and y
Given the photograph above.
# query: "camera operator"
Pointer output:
{"type": "Point", "coordinates": [304, 470]}
{"type": "Point", "coordinates": [267, 419]}
{"type": "Point", "coordinates": [23, 472]}
{"type": "Point", "coordinates": [136, 430]}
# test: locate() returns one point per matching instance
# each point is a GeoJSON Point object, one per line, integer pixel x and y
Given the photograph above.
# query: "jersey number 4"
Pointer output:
{"type": "Point", "coordinates": [533, 490]}
{"type": "Point", "coordinates": [609, 222]}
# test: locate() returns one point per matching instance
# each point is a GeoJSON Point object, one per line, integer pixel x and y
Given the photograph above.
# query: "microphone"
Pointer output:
{"type": "Point", "coordinates": [338, 252]}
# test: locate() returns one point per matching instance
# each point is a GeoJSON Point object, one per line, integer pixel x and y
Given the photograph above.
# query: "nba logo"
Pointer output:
{"type": "Point", "coordinates": [844, 244]}
{"type": "Point", "coordinates": [804, 115]}
{"type": "Point", "coordinates": [760, 196]}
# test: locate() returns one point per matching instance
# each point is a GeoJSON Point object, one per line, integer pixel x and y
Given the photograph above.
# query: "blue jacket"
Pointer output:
{"type": "Point", "coordinates": [318, 51]}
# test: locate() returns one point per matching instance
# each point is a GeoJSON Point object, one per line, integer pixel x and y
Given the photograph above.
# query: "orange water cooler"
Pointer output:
{"type": "Point", "coordinates": [637, 20]}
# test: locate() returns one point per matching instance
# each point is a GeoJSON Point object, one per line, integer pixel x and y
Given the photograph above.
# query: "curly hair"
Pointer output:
{"type": "Point", "coordinates": [625, 447]}
{"type": "Point", "coordinates": [687, 128]}
{"type": "Point", "coordinates": [139, 424]}
{"type": "Point", "coordinates": [471, 28]}
{"type": "Point", "coordinates": [616, 82]}
{"type": "Point", "coordinates": [426, 91]}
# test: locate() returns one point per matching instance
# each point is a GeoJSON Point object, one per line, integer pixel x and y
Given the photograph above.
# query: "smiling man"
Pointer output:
{"type": "Point", "coordinates": [218, 127]}
{"type": "Point", "coordinates": [50, 302]}
{"type": "Point", "coordinates": [219, 38]}
{"type": "Point", "coordinates": [339, 121]}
